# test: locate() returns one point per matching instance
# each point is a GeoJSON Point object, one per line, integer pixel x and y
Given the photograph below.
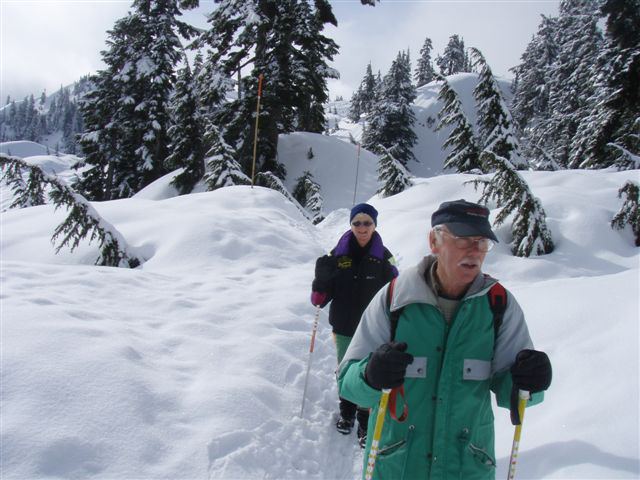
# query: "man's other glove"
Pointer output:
{"type": "Point", "coordinates": [326, 269]}
{"type": "Point", "coordinates": [387, 365]}
{"type": "Point", "coordinates": [531, 372]}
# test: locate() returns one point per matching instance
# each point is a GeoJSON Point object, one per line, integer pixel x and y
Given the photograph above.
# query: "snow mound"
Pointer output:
{"type": "Point", "coordinates": [23, 148]}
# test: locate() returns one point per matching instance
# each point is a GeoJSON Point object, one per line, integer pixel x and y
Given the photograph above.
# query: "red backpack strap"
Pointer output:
{"type": "Point", "coordinates": [498, 303]}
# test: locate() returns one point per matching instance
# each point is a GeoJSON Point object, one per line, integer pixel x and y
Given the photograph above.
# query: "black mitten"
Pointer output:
{"type": "Point", "coordinates": [326, 270]}
{"type": "Point", "coordinates": [530, 372]}
{"type": "Point", "coordinates": [387, 365]}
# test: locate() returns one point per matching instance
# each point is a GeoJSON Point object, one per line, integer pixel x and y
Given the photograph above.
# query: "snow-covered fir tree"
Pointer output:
{"type": "Point", "coordinates": [83, 222]}
{"type": "Point", "coordinates": [283, 42]}
{"type": "Point", "coordinates": [310, 63]}
{"type": "Point", "coordinates": [393, 177]}
{"type": "Point", "coordinates": [529, 230]}
{"type": "Point", "coordinates": [363, 99]}
{"type": "Point", "coordinates": [454, 59]}
{"type": "Point", "coordinates": [497, 132]}
{"type": "Point", "coordinates": [465, 152]}
{"type": "Point", "coordinates": [424, 66]}
{"type": "Point", "coordinates": [390, 124]}
{"type": "Point", "coordinates": [530, 104]}
{"type": "Point", "coordinates": [610, 134]}
{"type": "Point", "coordinates": [222, 168]}
{"type": "Point", "coordinates": [307, 193]}
{"type": "Point", "coordinates": [570, 77]}
{"type": "Point", "coordinates": [629, 213]}
{"type": "Point", "coordinates": [186, 134]}
{"type": "Point", "coordinates": [129, 109]}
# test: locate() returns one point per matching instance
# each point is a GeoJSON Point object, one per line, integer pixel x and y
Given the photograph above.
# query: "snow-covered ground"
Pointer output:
{"type": "Point", "coordinates": [193, 365]}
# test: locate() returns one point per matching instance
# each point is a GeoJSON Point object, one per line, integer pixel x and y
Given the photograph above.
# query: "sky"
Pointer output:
{"type": "Point", "coordinates": [48, 43]}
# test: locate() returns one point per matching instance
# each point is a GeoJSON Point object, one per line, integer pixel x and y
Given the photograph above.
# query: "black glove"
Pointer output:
{"type": "Point", "coordinates": [531, 372]}
{"type": "Point", "coordinates": [388, 365]}
{"type": "Point", "coordinates": [326, 270]}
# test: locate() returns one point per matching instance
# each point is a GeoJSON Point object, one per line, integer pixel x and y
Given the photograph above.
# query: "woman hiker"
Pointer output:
{"type": "Point", "coordinates": [349, 277]}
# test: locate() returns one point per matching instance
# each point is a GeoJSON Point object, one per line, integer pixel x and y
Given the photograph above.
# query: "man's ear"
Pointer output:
{"type": "Point", "coordinates": [432, 241]}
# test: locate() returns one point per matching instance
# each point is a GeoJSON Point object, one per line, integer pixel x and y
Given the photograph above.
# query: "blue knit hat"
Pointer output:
{"type": "Point", "coordinates": [366, 209]}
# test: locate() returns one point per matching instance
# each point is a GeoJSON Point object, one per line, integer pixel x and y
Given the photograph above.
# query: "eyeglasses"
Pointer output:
{"type": "Point", "coordinates": [465, 243]}
{"type": "Point", "coordinates": [366, 223]}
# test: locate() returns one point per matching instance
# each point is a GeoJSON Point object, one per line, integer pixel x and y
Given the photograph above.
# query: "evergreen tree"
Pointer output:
{"type": "Point", "coordinates": [222, 168]}
{"type": "Point", "coordinates": [424, 69]}
{"type": "Point", "coordinates": [82, 222]}
{"type": "Point", "coordinates": [530, 234]}
{"type": "Point", "coordinates": [571, 78]}
{"type": "Point", "coordinates": [610, 133]}
{"type": "Point", "coordinates": [390, 124]}
{"type": "Point", "coordinates": [186, 131]}
{"type": "Point", "coordinates": [363, 98]}
{"type": "Point", "coordinates": [453, 59]}
{"type": "Point", "coordinates": [282, 41]}
{"type": "Point", "coordinates": [307, 193]}
{"type": "Point", "coordinates": [464, 154]}
{"type": "Point", "coordinates": [309, 64]}
{"type": "Point", "coordinates": [127, 113]}
{"type": "Point", "coordinates": [393, 177]}
{"type": "Point", "coordinates": [494, 118]}
{"type": "Point", "coordinates": [629, 213]}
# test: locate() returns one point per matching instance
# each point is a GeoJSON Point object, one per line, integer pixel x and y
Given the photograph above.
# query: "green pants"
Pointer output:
{"type": "Point", "coordinates": [342, 343]}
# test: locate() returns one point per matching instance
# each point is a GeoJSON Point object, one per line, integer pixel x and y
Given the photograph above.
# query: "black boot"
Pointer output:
{"type": "Point", "coordinates": [345, 425]}
{"type": "Point", "coordinates": [363, 420]}
{"type": "Point", "coordinates": [362, 435]}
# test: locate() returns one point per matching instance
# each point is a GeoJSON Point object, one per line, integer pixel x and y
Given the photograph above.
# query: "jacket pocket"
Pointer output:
{"type": "Point", "coordinates": [393, 457]}
{"type": "Point", "coordinates": [476, 458]}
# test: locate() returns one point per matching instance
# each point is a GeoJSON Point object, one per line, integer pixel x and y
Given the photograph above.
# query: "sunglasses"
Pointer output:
{"type": "Point", "coordinates": [366, 223]}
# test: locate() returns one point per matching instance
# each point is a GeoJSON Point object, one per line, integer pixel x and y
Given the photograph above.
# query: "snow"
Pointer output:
{"type": "Point", "coordinates": [193, 365]}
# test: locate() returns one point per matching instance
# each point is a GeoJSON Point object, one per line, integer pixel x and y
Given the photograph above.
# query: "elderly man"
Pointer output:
{"type": "Point", "coordinates": [443, 333]}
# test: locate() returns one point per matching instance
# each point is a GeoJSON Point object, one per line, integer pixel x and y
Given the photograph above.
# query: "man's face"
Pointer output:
{"type": "Point", "coordinates": [457, 267]}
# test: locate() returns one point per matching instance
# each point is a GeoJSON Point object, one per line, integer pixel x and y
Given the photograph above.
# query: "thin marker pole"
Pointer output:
{"type": "Point", "coordinates": [255, 133]}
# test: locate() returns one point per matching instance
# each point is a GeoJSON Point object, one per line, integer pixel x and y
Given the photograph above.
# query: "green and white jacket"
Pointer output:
{"type": "Point", "coordinates": [449, 431]}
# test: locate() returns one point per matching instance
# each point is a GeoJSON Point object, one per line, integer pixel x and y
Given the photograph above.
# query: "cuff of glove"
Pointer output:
{"type": "Point", "coordinates": [318, 298]}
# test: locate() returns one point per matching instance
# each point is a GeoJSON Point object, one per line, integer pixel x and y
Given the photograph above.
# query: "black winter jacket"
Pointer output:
{"type": "Point", "coordinates": [357, 275]}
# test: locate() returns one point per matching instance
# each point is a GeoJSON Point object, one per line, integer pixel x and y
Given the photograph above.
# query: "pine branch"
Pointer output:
{"type": "Point", "coordinates": [83, 220]}
{"type": "Point", "coordinates": [629, 213]}
{"type": "Point", "coordinates": [531, 236]}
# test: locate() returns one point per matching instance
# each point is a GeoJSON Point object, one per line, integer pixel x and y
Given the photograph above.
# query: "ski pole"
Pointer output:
{"type": "Point", "coordinates": [523, 396]}
{"type": "Point", "coordinates": [377, 433]}
{"type": "Point", "coordinates": [313, 341]}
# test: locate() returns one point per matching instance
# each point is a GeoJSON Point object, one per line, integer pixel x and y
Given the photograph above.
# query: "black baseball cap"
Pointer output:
{"type": "Point", "coordinates": [464, 219]}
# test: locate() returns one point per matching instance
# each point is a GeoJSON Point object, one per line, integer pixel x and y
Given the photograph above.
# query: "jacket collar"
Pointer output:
{"type": "Point", "coordinates": [376, 248]}
{"type": "Point", "coordinates": [411, 286]}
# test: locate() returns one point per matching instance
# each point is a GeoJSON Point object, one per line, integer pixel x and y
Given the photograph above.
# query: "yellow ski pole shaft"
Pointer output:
{"type": "Point", "coordinates": [313, 341]}
{"type": "Point", "coordinates": [377, 433]}
{"type": "Point", "coordinates": [523, 396]}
